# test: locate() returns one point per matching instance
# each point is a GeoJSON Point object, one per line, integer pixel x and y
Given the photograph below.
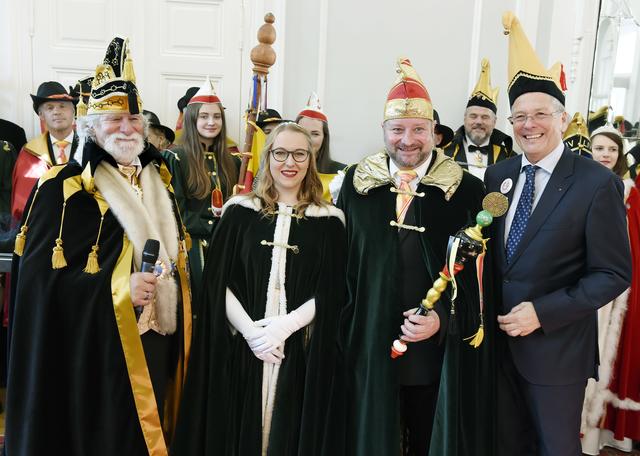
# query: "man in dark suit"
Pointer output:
{"type": "Point", "coordinates": [561, 252]}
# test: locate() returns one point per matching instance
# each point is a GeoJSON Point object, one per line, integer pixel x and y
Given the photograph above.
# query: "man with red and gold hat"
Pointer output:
{"type": "Point", "coordinates": [87, 373]}
{"type": "Point", "coordinates": [401, 206]}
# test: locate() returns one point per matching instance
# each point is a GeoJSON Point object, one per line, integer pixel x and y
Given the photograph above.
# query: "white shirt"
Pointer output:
{"type": "Point", "coordinates": [67, 149]}
{"type": "Point", "coordinates": [476, 168]}
{"type": "Point", "coordinates": [420, 172]}
{"type": "Point", "coordinates": [546, 165]}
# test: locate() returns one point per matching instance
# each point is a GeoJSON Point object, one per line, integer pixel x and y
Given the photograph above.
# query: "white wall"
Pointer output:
{"type": "Point", "coordinates": [346, 51]}
{"type": "Point", "coordinates": [444, 40]}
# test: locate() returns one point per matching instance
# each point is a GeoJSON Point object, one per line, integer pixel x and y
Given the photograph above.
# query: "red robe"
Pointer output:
{"type": "Point", "coordinates": [33, 160]}
{"type": "Point", "coordinates": [625, 381]}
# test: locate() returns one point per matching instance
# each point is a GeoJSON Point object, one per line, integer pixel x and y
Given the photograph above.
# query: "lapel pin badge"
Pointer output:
{"type": "Point", "coordinates": [506, 186]}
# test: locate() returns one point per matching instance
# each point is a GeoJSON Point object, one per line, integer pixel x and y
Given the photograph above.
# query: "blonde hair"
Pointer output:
{"type": "Point", "coordinates": [310, 188]}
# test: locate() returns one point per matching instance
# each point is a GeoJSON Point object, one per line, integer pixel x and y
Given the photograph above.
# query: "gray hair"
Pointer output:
{"type": "Point", "coordinates": [86, 126]}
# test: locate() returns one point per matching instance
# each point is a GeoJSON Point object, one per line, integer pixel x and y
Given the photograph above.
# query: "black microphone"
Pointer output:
{"type": "Point", "coordinates": [149, 258]}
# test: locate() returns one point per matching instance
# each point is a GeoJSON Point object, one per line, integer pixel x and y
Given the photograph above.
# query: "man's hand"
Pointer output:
{"type": "Point", "coordinates": [521, 321]}
{"type": "Point", "coordinates": [142, 288]}
{"type": "Point", "coordinates": [419, 327]}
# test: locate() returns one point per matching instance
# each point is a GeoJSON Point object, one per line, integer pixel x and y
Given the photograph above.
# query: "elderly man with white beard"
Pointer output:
{"type": "Point", "coordinates": [97, 348]}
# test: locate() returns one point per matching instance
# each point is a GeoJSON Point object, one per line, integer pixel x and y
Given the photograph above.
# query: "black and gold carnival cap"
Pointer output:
{"type": "Point", "coordinates": [526, 72]}
{"type": "Point", "coordinates": [577, 135]}
{"type": "Point", "coordinates": [484, 95]}
{"type": "Point", "coordinates": [113, 89]}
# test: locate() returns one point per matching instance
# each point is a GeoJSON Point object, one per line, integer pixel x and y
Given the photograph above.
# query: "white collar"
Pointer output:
{"type": "Point", "coordinates": [68, 139]}
{"type": "Point", "coordinates": [421, 170]}
{"type": "Point", "coordinates": [549, 162]}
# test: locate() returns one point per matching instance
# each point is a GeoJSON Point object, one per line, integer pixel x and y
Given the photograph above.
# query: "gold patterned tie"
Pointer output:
{"type": "Point", "coordinates": [62, 157]}
{"type": "Point", "coordinates": [404, 198]}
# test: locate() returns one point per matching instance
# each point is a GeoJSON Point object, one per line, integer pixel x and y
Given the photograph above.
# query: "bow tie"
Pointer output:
{"type": "Point", "coordinates": [482, 149]}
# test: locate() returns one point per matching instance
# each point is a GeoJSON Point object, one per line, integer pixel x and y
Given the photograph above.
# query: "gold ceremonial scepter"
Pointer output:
{"type": "Point", "coordinates": [467, 244]}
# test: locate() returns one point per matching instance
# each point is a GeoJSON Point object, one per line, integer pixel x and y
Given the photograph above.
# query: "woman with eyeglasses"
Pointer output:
{"type": "Point", "coordinates": [203, 173]}
{"type": "Point", "coordinates": [315, 121]}
{"type": "Point", "coordinates": [262, 363]}
{"type": "Point", "coordinates": [611, 413]}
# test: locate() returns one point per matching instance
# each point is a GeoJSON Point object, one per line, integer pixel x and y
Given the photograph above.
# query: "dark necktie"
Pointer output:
{"type": "Point", "coordinates": [523, 211]}
{"type": "Point", "coordinates": [482, 149]}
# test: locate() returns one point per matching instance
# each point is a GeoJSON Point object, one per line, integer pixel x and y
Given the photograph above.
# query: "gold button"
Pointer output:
{"type": "Point", "coordinates": [210, 222]}
{"type": "Point", "coordinates": [210, 209]}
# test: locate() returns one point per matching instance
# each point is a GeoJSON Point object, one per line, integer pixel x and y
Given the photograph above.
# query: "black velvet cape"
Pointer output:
{"type": "Point", "coordinates": [372, 317]}
{"type": "Point", "coordinates": [68, 389]}
{"type": "Point", "coordinates": [221, 412]}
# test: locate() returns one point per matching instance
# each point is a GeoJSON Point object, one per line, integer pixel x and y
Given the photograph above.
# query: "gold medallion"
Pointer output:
{"type": "Point", "coordinates": [496, 204]}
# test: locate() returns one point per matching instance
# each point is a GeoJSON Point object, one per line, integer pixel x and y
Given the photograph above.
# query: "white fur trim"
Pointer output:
{"type": "Point", "coordinates": [276, 304]}
{"type": "Point", "coordinates": [324, 211]}
{"type": "Point", "coordinates": [244, 201]}
{"type": "Point", "coordinates": [598, 394]}
{"type": "Point", "coordinates": [149, 218]}
{"type": "Point", "coordinates": [628, 185]}
{"type": "Point", "coordinates": [311, 210]}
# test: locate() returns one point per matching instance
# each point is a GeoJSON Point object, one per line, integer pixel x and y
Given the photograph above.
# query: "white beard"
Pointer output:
{"type": "Point", "coordinates": [125, 152]}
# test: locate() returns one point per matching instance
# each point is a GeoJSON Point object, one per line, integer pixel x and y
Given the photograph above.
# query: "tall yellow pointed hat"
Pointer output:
{"type": "Point", "coordinates": [484, 95]}
{"type": "Point", "coordinates": [408, 98]}
{"type": "Point", "coordinates": [113, 89]}
{"type": "Point", "coordinates": [526, 72]}
{"type": "Point", "coordinates": [577, 135]}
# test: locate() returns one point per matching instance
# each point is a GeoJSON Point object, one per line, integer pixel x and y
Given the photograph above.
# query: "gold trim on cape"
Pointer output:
{"type": "Point", "coordinates": [373, 172]}
{"type": "Point", "coordinates": [39, 147]}
{"type": "Point", "coordinates": [142, 389]}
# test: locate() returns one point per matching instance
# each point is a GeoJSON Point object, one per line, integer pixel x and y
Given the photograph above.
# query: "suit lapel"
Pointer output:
{"type": "Point", "coordinates": [559, 182]}
{"type": "Point", "coordinates": [513, 173]}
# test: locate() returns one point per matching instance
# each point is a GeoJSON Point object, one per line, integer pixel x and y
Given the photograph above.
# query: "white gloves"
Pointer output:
{"type": "Point", "coordinates": [265, 337]}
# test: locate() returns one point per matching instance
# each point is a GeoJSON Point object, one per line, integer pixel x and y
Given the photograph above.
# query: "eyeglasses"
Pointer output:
{"type": "Point", "coordinates": [281, 155]}
{"type": "Point", "coordinates": [538, 117]}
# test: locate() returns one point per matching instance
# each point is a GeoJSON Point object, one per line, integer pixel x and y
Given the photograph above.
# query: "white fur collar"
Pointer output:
{"type": "Point", "coordinates": [253, 202]}
{"type": "Point", "coordinates": [149, 218]}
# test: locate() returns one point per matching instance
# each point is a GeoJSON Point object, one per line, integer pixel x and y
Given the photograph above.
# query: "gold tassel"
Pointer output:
{"type": "Point", "coordinates": [127, 73]}
{"type": "Point", "coordinates": [477, 338]}
{"type": "Point", "coordinates": [81, 107]}
{"type": "Point", "coordinates": [187, 239]}
{"type": "Point", "coordinates": [92, 266]}
{"type": "Point", "coordinates": [57, 259]}
{"type": "Point", "coordinates": [21, 238]}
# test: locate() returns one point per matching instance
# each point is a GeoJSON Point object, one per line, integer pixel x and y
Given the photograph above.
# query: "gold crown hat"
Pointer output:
{"type": "Point", "coordinates": [313, 109]}
{"type": "Point", "coordinates": [205, 94]}
{"type": "Point", "coordinates": [408, 98]}
{"type": "Point", "coordinates": [484, 95]}
{"type": "Point", "coordinates": [577, 135]}
{"type": "Point", "coordinates": [113, 89]}
{"type": "Point", "coordinates": [526, 72]}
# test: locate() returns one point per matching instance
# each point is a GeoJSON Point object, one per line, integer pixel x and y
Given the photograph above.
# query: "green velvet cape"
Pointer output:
{"type": "Point", "coordinates": [221, 408]}
{"type": "Point", "coordinates": [372, 318]}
